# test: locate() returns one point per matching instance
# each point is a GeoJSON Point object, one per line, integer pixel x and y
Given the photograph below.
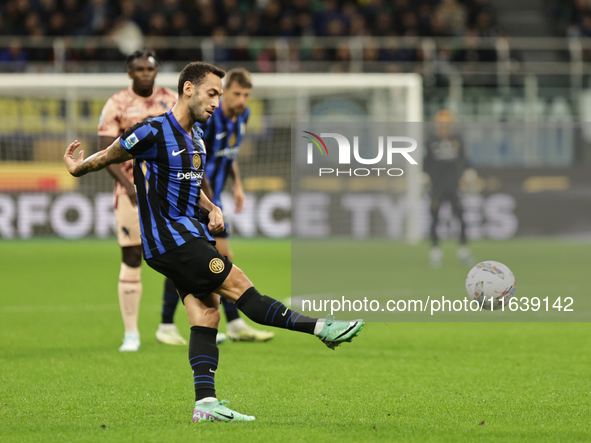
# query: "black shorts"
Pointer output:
{"type": "Point", "coordinates": [195, 268]}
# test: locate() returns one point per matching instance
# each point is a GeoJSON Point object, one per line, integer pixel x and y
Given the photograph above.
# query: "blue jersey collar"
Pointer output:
{"type": "Point", "coordinates": [178, 125]}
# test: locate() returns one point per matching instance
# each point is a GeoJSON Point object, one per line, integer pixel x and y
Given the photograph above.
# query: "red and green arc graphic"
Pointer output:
{"type": "Point", "coordinates": [315, 142]}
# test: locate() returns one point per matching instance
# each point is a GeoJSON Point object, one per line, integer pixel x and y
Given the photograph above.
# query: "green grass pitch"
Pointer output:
{"type": "Point", "coordinates": [62, 378]}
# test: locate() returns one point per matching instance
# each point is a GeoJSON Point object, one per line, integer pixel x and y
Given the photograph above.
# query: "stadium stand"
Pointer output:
{"type": "Point", "coordinates": [128, 20]}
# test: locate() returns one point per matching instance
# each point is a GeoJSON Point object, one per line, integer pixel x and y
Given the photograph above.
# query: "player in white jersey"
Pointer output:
{"type": "Point", "coordinates": [124, 109]}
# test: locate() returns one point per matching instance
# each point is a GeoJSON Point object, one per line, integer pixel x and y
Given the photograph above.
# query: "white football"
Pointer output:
{"type": "Point", "coordinates": [491, 284]}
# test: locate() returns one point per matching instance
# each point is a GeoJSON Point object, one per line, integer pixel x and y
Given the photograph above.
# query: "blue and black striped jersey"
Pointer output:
{"type": "Point", "coordinates": [222, 138]}
{"type": "Point", "coordinates": [168, 170]}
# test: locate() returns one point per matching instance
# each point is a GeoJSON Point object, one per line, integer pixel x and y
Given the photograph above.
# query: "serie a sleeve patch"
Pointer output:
{"type": "Point", "coordinates": [130, 141]}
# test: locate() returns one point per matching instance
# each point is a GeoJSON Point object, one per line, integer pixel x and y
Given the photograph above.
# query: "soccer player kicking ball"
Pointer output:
{"type": "Point", "coordinates": [168, 170]}
{"type": "Point", "coordinates": [222, 135]}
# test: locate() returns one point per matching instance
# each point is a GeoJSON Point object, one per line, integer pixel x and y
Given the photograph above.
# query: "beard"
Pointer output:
{"type": "Point", "coordinates": [202, 119]}
{"type": "Point", "coordinates": [199, 117]}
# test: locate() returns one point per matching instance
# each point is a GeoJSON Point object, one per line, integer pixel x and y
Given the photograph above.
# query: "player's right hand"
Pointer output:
{"type": "Point", "coordinates": [71, 162]}
{"type": "Point", "coordinates": [132, 195]}
{"type": "Point", "coordinates": [216, 221]}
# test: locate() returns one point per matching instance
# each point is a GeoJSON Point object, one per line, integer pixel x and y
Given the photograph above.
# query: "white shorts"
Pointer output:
{"type": "Point", "coordinates": [128, 222]}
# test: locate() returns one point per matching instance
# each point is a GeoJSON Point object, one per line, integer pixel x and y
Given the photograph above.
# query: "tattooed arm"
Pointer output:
{"type": "Point", "coordinates": [79, 167]}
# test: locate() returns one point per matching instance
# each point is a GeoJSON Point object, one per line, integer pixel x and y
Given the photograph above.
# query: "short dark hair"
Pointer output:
{"type": "Point", "coordinates": [141, 53]}
{"type": "Point", "coordinates": [240, 76]}
{"type": "Point", "coordinates": [196, 72]}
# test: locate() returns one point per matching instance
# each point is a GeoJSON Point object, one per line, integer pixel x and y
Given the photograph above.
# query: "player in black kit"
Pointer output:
{"type": "Point", "coordinates": [446, 164]}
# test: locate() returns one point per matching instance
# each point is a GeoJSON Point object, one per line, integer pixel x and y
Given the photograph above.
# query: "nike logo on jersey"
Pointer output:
{"type": "Point", "coordinates": [211, 370]}
{"type": "Point", "coordinates": [286, 309]}
{"type": "Point", "coordinates": [220, 135]}
{"type": "Point", "coordinates": [175, 153]}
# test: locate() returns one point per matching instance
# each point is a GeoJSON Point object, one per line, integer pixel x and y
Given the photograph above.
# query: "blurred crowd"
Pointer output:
{"type": "Point", "coordinates": [287, 18]}
{"type": "Point", "coordinates": [572, 17]}
{"type": "Point", "coordinates": [136, 19]}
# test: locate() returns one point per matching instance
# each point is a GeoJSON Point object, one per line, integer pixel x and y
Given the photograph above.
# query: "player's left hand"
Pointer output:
{"type": "Point", "coordinates": [238, 198]}
{"type": "Point", "coordinates": [216, 221]}
{"type": "Point", "coordinates": [71, 162]}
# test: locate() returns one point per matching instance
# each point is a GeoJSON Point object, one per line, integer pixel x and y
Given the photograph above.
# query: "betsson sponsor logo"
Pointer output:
{"type": "Point", "coordinates": [191, 175]}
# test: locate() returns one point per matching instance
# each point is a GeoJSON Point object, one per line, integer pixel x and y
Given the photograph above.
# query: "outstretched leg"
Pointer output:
{"type": "Point", "coordinates": [236, 327]}
{"type": "Point", "coordinates": [270, 312]}
{"type": "Point", "coordinates": [199, 266]}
